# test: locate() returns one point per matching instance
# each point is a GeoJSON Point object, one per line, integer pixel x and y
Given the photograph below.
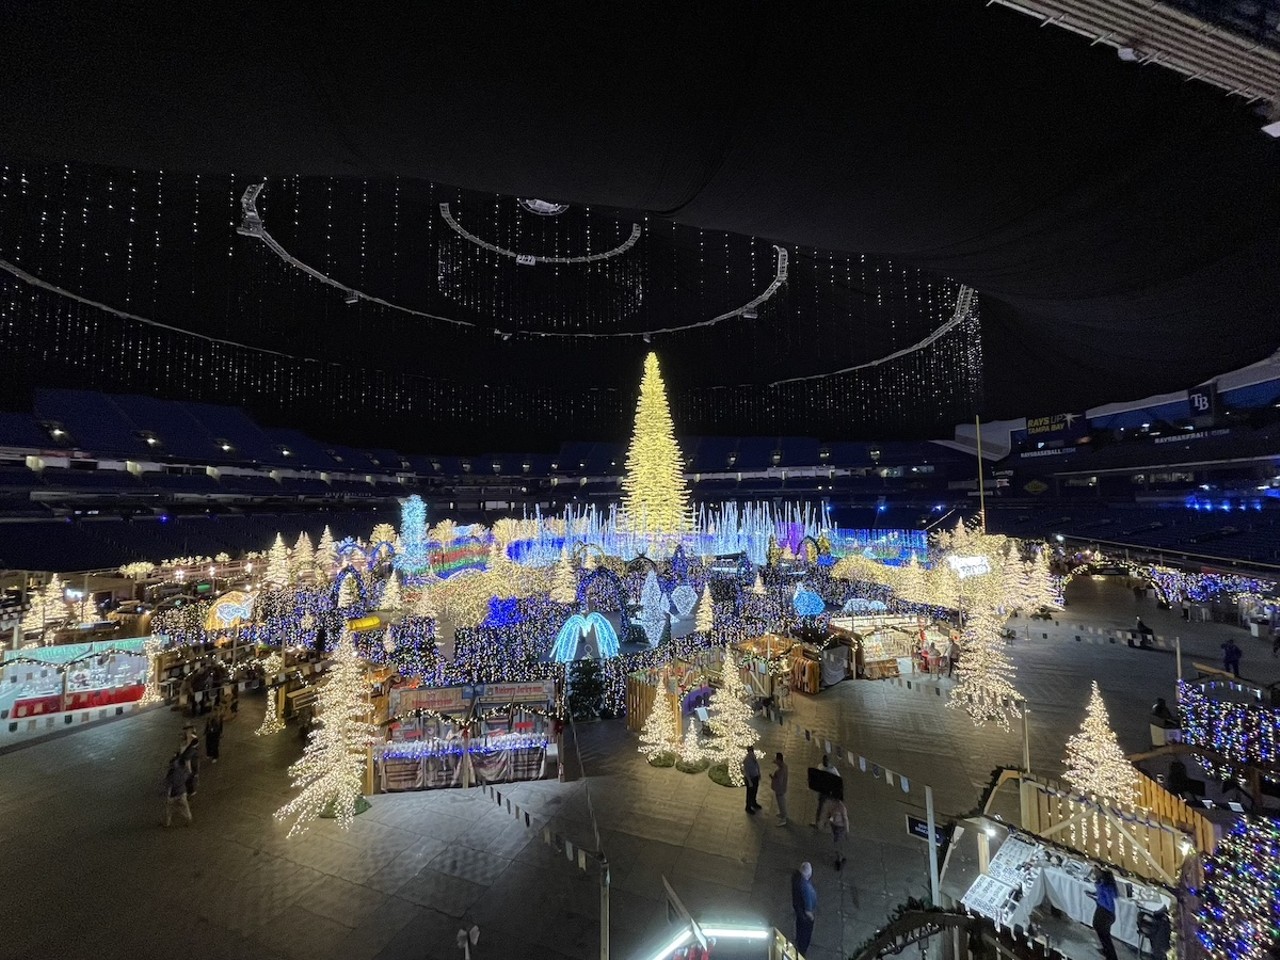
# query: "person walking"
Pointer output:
{"type": "Point", "coordinates": [190, 755]}
{"type": "Point", "coordinates": [1186, 608]}
{"type": "Point", "coordinates": [751, 774]}
{"type": "Point", "coordinates": [953, 656]}
{"type": "Point", "coordinates": [778, 783]}
{"type": "Point", "coordinates": [175, 790]}
{"type": "Point", "coordinates": [804, 901]}
{"type": "Point", "coordinates": [213, 736]}
{"type": "Point", "coordinates": [837, 817]}
{"type": "Point", "coordinates": [826, 796]}
{"type": "Point", "coordinates": [1231, 654]}
{"type": "Point", "coordinates": [1104, 914]}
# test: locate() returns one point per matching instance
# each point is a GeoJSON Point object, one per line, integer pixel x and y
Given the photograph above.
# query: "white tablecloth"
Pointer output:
{"type": "Point", "coordinates": [1071, 896]}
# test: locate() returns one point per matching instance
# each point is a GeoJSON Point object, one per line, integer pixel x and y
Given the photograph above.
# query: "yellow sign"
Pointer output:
{"type": "Point", "coordinates": [229, 611]}
{"type": "Point", "coordinates": [364, 624]}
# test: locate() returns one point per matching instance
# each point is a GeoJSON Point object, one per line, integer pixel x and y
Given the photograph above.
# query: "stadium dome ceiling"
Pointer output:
{"type": "Point", "coordinates": [1114, 218]}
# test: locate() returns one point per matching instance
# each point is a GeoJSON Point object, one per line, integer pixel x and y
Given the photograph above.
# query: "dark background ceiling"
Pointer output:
{"type": "Point", "coordinates": [1120, 222]}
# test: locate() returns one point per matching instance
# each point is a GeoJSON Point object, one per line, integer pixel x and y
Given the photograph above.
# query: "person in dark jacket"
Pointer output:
{"type": "Point", "coordinates": [175, 790]}
{"type": "Point", "coordinates": [804, 901]}
{"type": "Point", "coordinates": [751, 774]}
{"type": "Point", "coordinates": [190, 754]}
{"type": "Point", "coordinates": [213, 737]}
{"type": "Point", "coordinates": [1231, 654]}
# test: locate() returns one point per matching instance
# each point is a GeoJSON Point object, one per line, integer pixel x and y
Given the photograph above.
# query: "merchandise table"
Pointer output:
{"type": "Point", "coordinates": [1067, 888]}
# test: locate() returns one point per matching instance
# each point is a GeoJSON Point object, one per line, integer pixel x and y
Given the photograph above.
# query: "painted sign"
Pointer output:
{"type": "Point", "coordinates": [966, 567]}
{"type": "Point", "coordinates": [229, 611]}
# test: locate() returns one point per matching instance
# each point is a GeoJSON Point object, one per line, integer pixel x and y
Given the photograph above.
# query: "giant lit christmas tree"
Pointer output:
{"type": "Point", "coordinates": [330, 773]}
{"type": "Point", "coordinates": [729, 716]}
{"type": "Point", "coordinates": [326, 557]}
{"type": "Point", "coordinates": [1095, 763]}
{"type": "Point", "coordinates": [1239, 915]}
{"type": "Point", "coordinates": [656, 498]}
{"type": "Point", "coordinates": [985, 688]}
{"type": "Point", "coordinates": [302, 563]}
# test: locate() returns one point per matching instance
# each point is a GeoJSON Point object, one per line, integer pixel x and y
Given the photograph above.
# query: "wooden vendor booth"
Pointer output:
{"type": "Point", "coordinates": [466, 735]}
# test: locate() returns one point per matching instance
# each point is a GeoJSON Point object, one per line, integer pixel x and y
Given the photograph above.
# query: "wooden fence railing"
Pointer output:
{"type": "Point", "coordinates": [1151, 838]}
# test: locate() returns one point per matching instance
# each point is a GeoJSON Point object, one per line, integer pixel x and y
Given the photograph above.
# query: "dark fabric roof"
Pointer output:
{"type": "Point", "coordinates": [1114, 216]}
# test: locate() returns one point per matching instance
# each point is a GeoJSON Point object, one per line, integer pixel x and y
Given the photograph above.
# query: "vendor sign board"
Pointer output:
{"type": "Point", "coordinates": [450, 700]}
{"type": "Point", "coordinates": [533, 691]}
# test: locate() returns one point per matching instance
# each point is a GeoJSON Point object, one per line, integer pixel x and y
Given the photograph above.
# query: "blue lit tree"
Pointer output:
{"type": "Point", "coordinates": [412, 560]}
{"type": "Point", "coordinates": [1239, 915]}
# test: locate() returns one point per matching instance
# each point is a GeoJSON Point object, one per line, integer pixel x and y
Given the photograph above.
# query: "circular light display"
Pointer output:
{"type": "Point", "coordinates": [543, 208]}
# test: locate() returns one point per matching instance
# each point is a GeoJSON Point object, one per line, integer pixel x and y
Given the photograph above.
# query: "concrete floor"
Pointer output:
{"type": "Point", "coordinates": [86, 870]}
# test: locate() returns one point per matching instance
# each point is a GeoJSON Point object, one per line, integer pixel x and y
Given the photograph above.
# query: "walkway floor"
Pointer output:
{"type": "Point", "coordinates": [87, 872]}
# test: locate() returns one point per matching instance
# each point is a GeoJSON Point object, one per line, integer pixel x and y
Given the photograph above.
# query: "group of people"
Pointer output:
{"type": "Point", "coordinates": [831, 814]}
{"type": "Point", "coordinates": [935, 659]}
{"type": "Point", "coordinates": [182, 775]}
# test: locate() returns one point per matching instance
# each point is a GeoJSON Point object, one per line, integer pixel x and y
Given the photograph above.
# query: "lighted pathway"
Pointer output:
{"type": "Point", "coordinates": [86, 872]}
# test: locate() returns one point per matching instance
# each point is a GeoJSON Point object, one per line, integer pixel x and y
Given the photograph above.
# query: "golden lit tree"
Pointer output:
{"type": "Point", "coordinates": [661, 732]}
{"type": "Point", "coordinates": [302, 563]}
{"type": "Point", "coordinates": [382, 533]}
{"type": "Point", "coordinates": [729, 716]}
{"type": "Point", "coordinates": [326, 558]}
{"type": "Point", "coordinates": [49, 607]}
{"type": "Point", "coordinates": [704, 620]}
{"type": "Point", "coordinates": [278, 572]}
{"type": "Point", "coordinates": [656, 497]}
{"type": "Point", "coordinates": [271, 722]}
{"type": "Point", "coordinates": [1095, 763]}
{"type": "Point", "coordinates": [330, 774]}
{"type": "Point", "coordinates": [984, 688]}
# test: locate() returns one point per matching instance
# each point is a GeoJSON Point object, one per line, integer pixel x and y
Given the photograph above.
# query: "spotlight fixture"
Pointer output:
{"type": "Point", "coordinates": [750, 313]}
{"type": "Point", "coordinates": [645, 337]}
{"type": "Point", "coordinates": [351, 297]}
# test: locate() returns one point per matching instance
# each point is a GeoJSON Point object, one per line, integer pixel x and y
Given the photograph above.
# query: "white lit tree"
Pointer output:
{"type": "Point", "coordinates": [349, 592]}
{"type": "Point", "coordinates": [661, 732]}
{"type": "Point", "coordinates": [704, 620]}
{"type": "Point", "coordinates": [1016, 586]}
{"type": "Point", "coordinates": [425, 606]}
{"type": "Point", "coordinates": [330, 774]}
{"type": "Point", "coordinates": [757, 588]}
{"type": "Point", "coordinates": [655, 494]}
{"type": "Point", "coordinates": [1095, 763]}
{"type": "Point", "coordinates": [49, 607]}
{"type": "Point", "coordinates": [564, 584]}
{"type": "Point", "coordinates": [271, 722]}
{"type": "Point", "coordinates": [691, 754]}
{"type": "Point", "coordinates": [391, 599]}
{"type": "Point", "coordinates": [278, 572]}
{"type": "Point", "coordinates": [382, 533]}
{"type": "Point", "coordinates": [326, 558]}
{"type": "Point", "coordinates": [984, 688]}
{"type": "Point", "coordinates": [653, 614]}
{"type": "Point", "coordinates": [303, 561]}
{"type": "Point", "coordinates": [729, 716]}
{"type": "Point", "coordinates": [1041, 585]}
